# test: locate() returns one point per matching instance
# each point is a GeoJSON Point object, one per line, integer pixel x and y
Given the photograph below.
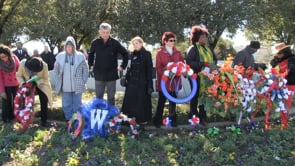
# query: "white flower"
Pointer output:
{"type": "Point", "coordinates": [249, 109]}
{"type": "Point", "coordinates": [174, 70]}
{"type": "Point", "coordinates": [183, 69]}
{"type": "Point", "coordinates": [240, 77]}
{"type": "Point", "coordinates": [279, 96]}
{"type": "Point", "coordinates": [254, 91]}
{"type": "Point", "coordinates": [269, 82]}
{"type": "Point", "coordinates": [244, 104]}
{"type": "Point", "coordinates": [286, 96]}
{"type": "Point", "coordinates": [166, 73]}
{"type": "Point", "coordinates": [170, 63]}
{"type": "Point", "coordinates": [190, 72]}
{"type": "Point", "coordinates": [245, 80]}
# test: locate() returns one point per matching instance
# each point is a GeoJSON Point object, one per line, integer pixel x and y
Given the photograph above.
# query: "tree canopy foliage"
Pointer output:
{"type": "Point", "coordinates": [8, 20]}
{"type": "Point", "coordinates": [150, 18]}
{"type": "Point", "coordinates": [273, 21]}
{"type": "Point", "coordinates": [51, 21]}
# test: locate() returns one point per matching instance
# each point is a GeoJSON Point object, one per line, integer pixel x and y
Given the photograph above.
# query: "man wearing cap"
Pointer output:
{"type": "Point", "coordinates": [245, 57]}
{"type": "Point", "coordinates": [37, 67]}
{"type": "Point", "coordinates": [103, 61]}
{"type": "Point", "coordinates": [284, 60]}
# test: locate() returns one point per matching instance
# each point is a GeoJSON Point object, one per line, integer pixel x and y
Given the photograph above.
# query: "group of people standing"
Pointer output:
{"type": "Point", "coordinates": [102, 60]}
{"type": "Point", "coordinates": [72, 70]}
{"type": "Point", "coordinates": [17, 68]}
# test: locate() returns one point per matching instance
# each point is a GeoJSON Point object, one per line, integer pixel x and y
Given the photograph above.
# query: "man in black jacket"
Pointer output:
{"type": "Point", "coordinates": [245, 57]}
{"type": "Point", "coordinates": [20, 52]}
{"type": "Point", "coordinates": [48, 57]}
{"type": "Point", "coordinates": [103, 61]}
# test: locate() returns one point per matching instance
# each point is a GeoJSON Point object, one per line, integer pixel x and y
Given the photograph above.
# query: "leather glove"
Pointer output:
{"type": "Point", "coordinates": [263, 66]}
{"type": "Point", "coordinates": [274, 62]}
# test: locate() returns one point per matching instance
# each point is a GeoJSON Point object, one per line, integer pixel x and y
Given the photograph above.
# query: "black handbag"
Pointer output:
{"type": "Point", "coordinates": [123, 80]}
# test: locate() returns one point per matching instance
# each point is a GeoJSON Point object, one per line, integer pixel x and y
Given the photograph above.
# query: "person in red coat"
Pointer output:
{"type": "Point", "coordinates": [284, 60]}
{"type": "Point", "coordinates": [9, 64]}
{"type": "Point", "coordinates": [167, 53]}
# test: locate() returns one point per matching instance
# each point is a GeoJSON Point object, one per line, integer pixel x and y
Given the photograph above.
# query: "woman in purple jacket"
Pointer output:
{"type": "Point", "coordinates": [9, 64]}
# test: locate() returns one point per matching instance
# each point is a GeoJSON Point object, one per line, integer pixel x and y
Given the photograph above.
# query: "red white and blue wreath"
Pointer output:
{"type": "Point", "coordinates": [75, 125]}
{"type": "Point", "coordinates": [115, 124]}
{"type": "Point", "coordinates": [97, 117]}
{"type": "Point", "coordinates": [174, 71]}
{"type": "Point", "coordinates": [24, 102]}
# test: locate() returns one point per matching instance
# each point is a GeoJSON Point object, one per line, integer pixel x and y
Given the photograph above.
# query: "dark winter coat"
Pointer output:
{"type": "Point", "coordinates": [286, 63]}
{"type": "Point", "coordinates": [24, 54]}
{"type": "Point", "coordinates": [245, 57]}
{"type": "Point", "coordinates": [137, 99]}
{"type": "Point", "coordinates": [49, 58]}
{"type": "Point", "coordinates": [104, 59]}
{"type": "Point", "coordinates": [193, 59]}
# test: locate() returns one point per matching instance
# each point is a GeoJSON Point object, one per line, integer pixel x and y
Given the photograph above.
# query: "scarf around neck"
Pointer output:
{"type": "Point", "coordinates": [205, 53]}
{"type": "Point", "coordinates": [7, 67]}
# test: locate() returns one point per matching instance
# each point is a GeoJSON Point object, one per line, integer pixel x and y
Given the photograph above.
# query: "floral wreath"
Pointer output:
{"type": "Point", "coordinates": [178, 69]}
{"type": "Point", "coordinates": [115, 124]}
{"type": "Point", "coordinates": [23, 105]}
{"type": "Point", "coordinates": [75, 125]}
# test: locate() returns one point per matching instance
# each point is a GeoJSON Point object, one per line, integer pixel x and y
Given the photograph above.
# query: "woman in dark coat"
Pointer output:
{"type": "Point", "coordinates": [199, 57]}
{"type": "Point", "coordinates": [137, 99]}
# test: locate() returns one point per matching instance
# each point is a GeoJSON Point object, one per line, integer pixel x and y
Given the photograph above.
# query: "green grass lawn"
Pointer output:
{"type": "Point", "coordinates": [220, 145]}
{"type": "Point", "coordinates": [190, 146]}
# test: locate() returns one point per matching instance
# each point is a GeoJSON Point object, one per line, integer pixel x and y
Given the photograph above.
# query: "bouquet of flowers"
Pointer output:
{"type": "Point", "coordinates": [221, 92]}
{"type": "Point", "coordinates": [273, 93]}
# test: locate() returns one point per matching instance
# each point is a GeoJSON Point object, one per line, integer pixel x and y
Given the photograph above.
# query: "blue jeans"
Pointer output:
{"type": "Point", "coordinates": [71, 103]}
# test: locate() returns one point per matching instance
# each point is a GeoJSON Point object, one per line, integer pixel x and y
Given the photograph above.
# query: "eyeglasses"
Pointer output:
{"type": "Point", "coordinates": [172, 40]}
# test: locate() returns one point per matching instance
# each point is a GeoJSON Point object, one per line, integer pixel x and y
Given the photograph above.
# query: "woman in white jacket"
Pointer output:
{"type": "Point", "coordinates": [71, 74]}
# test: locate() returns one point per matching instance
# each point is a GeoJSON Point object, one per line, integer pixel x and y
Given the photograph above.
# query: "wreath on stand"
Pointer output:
{"type": "Point", "coordinates": [172, 75]}
{"type": "Point", "coordinates": [177, 70]}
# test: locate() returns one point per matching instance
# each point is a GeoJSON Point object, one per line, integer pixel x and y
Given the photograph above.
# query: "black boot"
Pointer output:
{"type": "Point", "coordinates": [44, 123]}
{"type": "Point", "coordinates": [157, 123]}
{"type": "Point", "coordinates": [141, 128]}
{"type": "Point", "coordinates": [202, 115]}
{"type": "Point", "coordinates": [174, 120]}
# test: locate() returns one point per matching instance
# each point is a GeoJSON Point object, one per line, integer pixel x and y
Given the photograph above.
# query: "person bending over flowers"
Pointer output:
{"type": "Point", "coordinates": [37, 67]}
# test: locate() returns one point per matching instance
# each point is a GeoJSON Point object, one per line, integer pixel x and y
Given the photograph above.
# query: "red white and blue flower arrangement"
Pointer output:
{"type": "Point", "coordinates": [172, 75]}
{"type": "Point", "coordinates": [24, 102]}
{"type": "Point", "coordinates": [98, 118]}
{"type": "Point", "coordinates": [245, 92]}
